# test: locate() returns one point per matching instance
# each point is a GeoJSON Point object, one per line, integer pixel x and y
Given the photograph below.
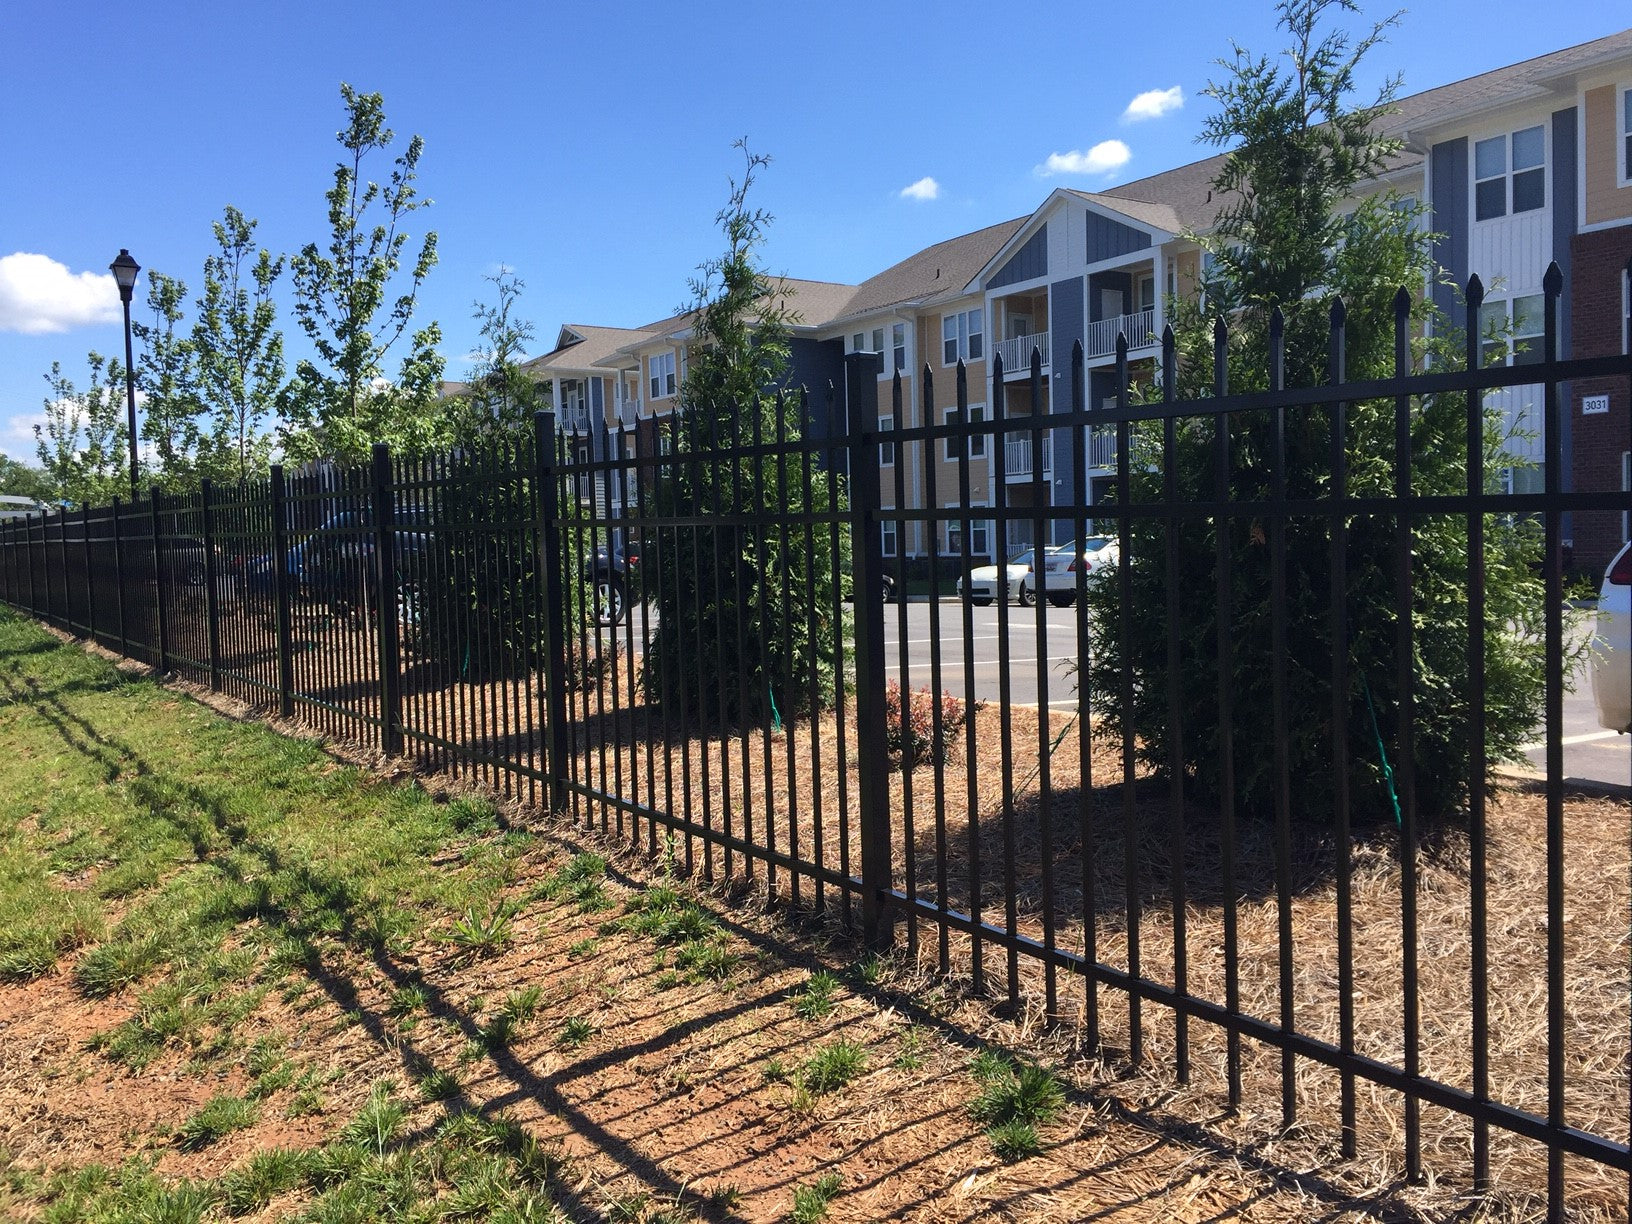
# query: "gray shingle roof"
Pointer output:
{"type": "Point", "coordinates": [1187, 190]}
{"type": "Point", "coordinates": [934, 273]}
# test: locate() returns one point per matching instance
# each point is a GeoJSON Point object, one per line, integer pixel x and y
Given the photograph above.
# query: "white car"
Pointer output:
{"type": "Point", "coordinates": [1094, 556]}
{"type": "Point", "coordinates": [981, 585]}
{"type": "Point", "coordinates": [1612, 645]}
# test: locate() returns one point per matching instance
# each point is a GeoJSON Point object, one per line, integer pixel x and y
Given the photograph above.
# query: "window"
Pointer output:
{"type": "Point", "coordinates": [665, 444]}
{"type": "Point", "coordinates": [963, 336]}
{"type": "Point", "coordinates": [886, 450]}
{"type": "Point", "coordinates": [858, 342]}
{"type": "Point", "coordinates": [886, 530]}
{"type": "Point", "coordinates": [1525, 154]}
{"type": "Point", "coordinates": [977, 442]}
{"type": "Point", "coordinates": [1146, 292]}
{"type": "Point", "coordinates": [661, 371]}
{"type": "Point", "coordinates": [980, 536]}
{"type": "Point", "coordinates": [898, 346]}
{"type": "Point", "coordinates": [1513, 338]}
{"type": "Point", "coordinates": [1626, 136]}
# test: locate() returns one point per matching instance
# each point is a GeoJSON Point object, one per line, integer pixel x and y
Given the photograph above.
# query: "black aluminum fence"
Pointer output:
{"type": "Point", "coordinates": [737, 717]}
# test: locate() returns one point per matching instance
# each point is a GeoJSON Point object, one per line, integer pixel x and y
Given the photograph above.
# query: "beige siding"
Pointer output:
{"type": "Point", "coordinates": [1606, 199]}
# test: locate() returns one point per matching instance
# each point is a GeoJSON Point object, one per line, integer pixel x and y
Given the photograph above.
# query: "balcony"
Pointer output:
{"type": "Point", "coordinates": [1140, 328]}
{"type": "Point", "coordinates": [1102, 446]}
{"type": "Point", "coordinates": [575, 419]}
{"type": "Point", "coordinates": [627, 412]}
{"type": "Point", "coordinates": [1016, 353]}
{"type": "Point", "coordinates": [1017, 457]}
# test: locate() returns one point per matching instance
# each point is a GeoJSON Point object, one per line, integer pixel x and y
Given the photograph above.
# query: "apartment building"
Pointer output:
{"type": "Point", "coordinates": [1518, 167]}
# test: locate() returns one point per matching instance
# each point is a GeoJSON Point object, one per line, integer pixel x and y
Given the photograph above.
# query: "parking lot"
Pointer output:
{"type": "Point", "coordinates": [1591, 754]}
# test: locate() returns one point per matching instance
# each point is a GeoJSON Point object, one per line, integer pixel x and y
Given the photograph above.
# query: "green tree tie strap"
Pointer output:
{"type": "Point", "coordinates": [1382, 754]}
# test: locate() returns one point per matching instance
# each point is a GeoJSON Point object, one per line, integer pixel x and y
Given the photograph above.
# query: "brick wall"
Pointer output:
{"type": "Point", "coordinates": [1598, 261]}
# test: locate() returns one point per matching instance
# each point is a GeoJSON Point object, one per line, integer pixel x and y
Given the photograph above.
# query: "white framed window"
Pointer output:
{"type": "Point", "coordinates": [660, 374]}
{"type": "Point", "coordinates": [1510, 174]}
{"type": "Point", "coordinates": [1145, 292]}
{"type": "Point", "coordinates": [963, 336]}
{"type": "Point", "coordinates": [898, 346]}
{"type": "Point", "coordinates": [886, 450]}
{"type": "Point", "coordinates": [1512, 331]}
{"type": "Point", "coordinates": [977, 442]}
{"type": "Point", "coordinates": [886, 531]}
{"type": "Point", "coordinates": [1625, 114]}
{"type": "Point", "coordinates": [858, 343]}
{"type": "Point", "coordinates": [665, 443]}
{"type": "Point", "coordinates": [980, 535]}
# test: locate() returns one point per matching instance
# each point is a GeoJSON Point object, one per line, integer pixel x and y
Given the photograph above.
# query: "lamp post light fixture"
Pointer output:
{"type": "Point", "coordinates": [124, 270]}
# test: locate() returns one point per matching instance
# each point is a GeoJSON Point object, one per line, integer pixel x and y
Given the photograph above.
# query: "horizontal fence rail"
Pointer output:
{"type": "Point", "coordinates": [1114, 812]}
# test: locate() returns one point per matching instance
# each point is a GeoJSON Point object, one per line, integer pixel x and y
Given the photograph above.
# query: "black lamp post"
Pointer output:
{"type": "Point", "coordinates": [124, 271]}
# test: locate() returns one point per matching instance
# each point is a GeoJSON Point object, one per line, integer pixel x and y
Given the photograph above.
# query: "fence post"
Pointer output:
{"type": "Point", "coordinates": [212, 606]}
{"type": "Point", "coordinates": [160, 618]}
{"type": "Point", "coordinates": [866, 579]}
{"type": "Point", "coordinates": [550, 563]}
{"type": "Point", "coordinates": [90, 589]}
{"type": "Point", "coordinates": [385, 603]}
{"type": "Point", "coordinates": [118, 579]}
{"type": "Point", "coordinates": [280, 589]}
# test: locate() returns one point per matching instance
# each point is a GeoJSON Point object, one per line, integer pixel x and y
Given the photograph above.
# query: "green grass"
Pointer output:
{"type": "Point", "coordinates": [576, 1031]}
{"type": "Point", "coordinates": [810, 1202]}
{"type": "Point", "coordinates": [1013, 1101]}
{"type": "Point", "coordinates": [816, 999]}
{"type": "Point", "coordinates": [831, 1067]}
{"type": "Point", "coordinates": [219, 1117]}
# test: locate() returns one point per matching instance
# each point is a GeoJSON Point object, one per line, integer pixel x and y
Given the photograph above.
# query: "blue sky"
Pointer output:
{"type": "Point", "coordinates": [588, 146]}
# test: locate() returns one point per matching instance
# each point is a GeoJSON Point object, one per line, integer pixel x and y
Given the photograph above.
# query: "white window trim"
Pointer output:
{"type": "Point", "coordinates": [660, 368]}
{"type": "Point", "coordinates": [1474, 180]}
{"type": "Point", "coordinates": [981, 525]}
{"type": "Point", "coordinates": [977, 415]}
{"type": "Point", "coordinates": [887, 534]}
{"type": "Point", "coordinates": [1534, 339]}
{"type": "Point", "coordinates": [886, 425]}
{"type": "Point", "coordinates": [1623, 171]}
{"type": "Point", "coordinates": [963, 336]}
{"type": "Point", "coordinates": [890, 368]}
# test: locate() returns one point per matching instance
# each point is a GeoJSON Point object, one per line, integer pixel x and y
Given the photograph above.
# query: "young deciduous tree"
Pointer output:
{"type": "Point", "coordinates": [1295, 232]}
{"type": "Point", "coordinates": [83, 442]}
{"type": "Point", "coordinates": [764, 589]}
{"type": "Point", "coordinates": [501, 398]}
{"type": "Point", "coordinates": [239, 352]}
{"type": "Point", "coordinates": [355, 300]}
{"type": "Point", "coordinates": [166, 375]}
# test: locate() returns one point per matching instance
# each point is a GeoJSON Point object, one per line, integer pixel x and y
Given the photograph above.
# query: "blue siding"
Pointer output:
{"type": "Point", "coordinates": [1450, 221]}
{"type": "Point", "coordinates": [1028, 263]}
{"type": "Point", "coordinates": [1107, 239]}
{"type": "Point", "coordinates": [1101, 281]}
{"type": "Point", "coordinates": [1065, 310]}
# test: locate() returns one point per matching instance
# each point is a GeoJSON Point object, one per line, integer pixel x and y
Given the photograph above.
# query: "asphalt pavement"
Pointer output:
{"type": "Point", "coordinates": [1592, 755]}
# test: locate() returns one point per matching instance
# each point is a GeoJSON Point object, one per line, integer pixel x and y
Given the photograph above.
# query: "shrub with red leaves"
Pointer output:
{"type": "Point", "coordinates": [914, 736]}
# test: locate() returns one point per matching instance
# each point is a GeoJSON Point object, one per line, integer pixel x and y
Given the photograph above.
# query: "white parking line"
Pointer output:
{"type": "Point", "coordinates": [1570, 739]}
{"type": "Point", "coordinates": [922, 667]}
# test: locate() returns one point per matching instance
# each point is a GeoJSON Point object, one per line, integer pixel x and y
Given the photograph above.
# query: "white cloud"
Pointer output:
{"type": "Point", "coordinates": [1153, 104]}
{"type": "Point", "coordinates": [17, 435]}
{"type": "Point", "coordinates": [39, 295]}
{"type": "Point", "coordinates": [925, 188]}
{"type": "Point", "coordinates": [1103, 158]}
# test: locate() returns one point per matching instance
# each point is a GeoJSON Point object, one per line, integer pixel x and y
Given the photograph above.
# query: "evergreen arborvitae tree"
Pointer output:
{"type": "Point", "coordinates": [742, 586]}
{"type": "Point", "coordinates": [1291, 235]}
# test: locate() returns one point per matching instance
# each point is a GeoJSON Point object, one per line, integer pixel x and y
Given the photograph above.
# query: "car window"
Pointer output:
{"type": "Point", "coordinates": [1023, 557]}
{"type": "Point", "coordinates": [1095, 544]}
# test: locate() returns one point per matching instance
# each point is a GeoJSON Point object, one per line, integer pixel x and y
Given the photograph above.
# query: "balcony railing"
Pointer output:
{"type": "Point", "coordinates": [1102, 446]}
{"type": "Point", "coordinates": [1017, 456]}
{"type": "Point", "coordinates": [575, 418]}
{"type": "Point", "coordinates": [1016, 353]}
{"type": "Point", "coordinates": [627, 412]}
{"type": "Point", "coordinates": [1139, 327]}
